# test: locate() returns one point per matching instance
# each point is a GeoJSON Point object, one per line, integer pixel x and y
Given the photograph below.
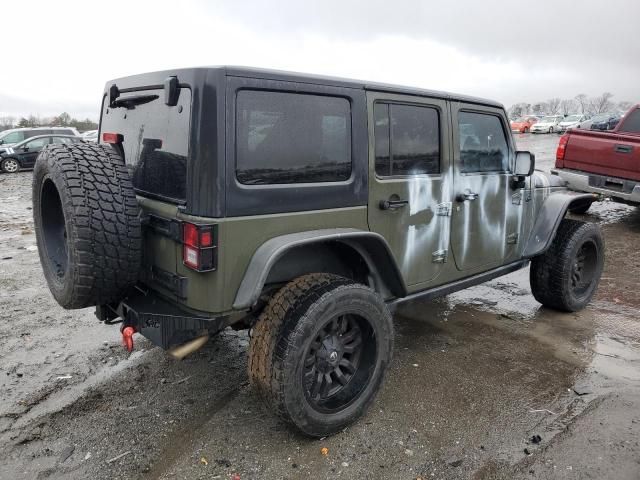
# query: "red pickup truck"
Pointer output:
{"type": "Point", "coordinates": [607, 163]}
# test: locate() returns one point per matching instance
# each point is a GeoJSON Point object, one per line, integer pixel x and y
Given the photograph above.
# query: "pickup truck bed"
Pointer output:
{"type": "Point", "coordinates": [603, 162]}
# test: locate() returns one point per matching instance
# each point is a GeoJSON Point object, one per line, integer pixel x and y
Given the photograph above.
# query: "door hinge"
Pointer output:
{"type": "Point", "coordinates": [512, 238]}
{"type": "Point", "coordinates": [516, 198]}
{"type": "Point", "coordinates": [439, 256]}
{"type": "Point", "coordinates": [443, 209]}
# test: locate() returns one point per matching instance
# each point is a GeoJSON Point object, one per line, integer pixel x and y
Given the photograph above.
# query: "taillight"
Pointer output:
{"type": "Point", "coordinates": [112, 137]}
{"type": "Point", "coordinates": [199, 248]}
{"type": "Point", "coordinates": [562, 147]}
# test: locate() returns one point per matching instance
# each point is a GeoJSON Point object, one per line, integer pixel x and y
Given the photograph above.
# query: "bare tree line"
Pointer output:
{"type": "Point", "coordinates": [581, 103]}
{"type": "Point", "coordinates": [62, 120]}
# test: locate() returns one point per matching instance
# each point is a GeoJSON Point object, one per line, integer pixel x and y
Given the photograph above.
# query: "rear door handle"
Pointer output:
{"type": "Point", "coordinates": [467, 195]}
{"type": "Point", "coordinates": [392, 204]}
{"type": "Point", "coordinates": [623, 148]}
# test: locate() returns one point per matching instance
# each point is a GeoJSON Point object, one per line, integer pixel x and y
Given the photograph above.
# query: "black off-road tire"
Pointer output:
{"type": "Point", "coordinates": [566, 276]}
{"type": "Point", "coordinates": [283, 339]}
{"type": "Point", "coordinates": [87, 225]}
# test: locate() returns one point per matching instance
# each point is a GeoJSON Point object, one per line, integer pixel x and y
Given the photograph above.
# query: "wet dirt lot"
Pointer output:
{"type": "Point", "coordinates": [485, 384]}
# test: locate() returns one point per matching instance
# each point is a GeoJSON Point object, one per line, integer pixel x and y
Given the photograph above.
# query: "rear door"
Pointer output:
{"type": "Point", "coordinates": [410, 181]}
{"type": "Point", "coordinates": [487, 213]}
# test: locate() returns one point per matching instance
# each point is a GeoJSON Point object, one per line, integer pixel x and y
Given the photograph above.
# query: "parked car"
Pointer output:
{"type": "Point", "coordinates": [547, 124]}
{"type": "Point", "coordinates": [523, 124]}
{"type": "Point", "coordinates": [305, 208]}
{"type": "Point", "coordinates": [571, 121]}
{"type": "Point", "coordinates": [606, 163]}
{"type": "Point", "coordinates": [606, 121]}
{"type": "Point", "coordinates": [17, 135]}
{"type": "Point", "coordinates": [23, 155]}
{"type": "Point", "coordinates": [90, 136]}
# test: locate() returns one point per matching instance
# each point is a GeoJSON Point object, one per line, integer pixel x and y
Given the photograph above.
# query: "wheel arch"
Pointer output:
{"type": "Point", "coordinates": [548, 220]}
{"type": "Point", "coordinates": [357, 254]}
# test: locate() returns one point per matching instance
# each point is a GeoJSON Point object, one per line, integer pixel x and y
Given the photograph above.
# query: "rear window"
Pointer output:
{"type": "Point", "coordinates": [155, 142]}
{"type": "Point", "coordinates": [292, 138]}
{"type": "Point", "coordinates": [632, 122]}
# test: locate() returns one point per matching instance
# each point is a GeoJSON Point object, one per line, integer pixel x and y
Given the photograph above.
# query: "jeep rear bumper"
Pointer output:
{"type": "Point", "coordinates": [159, 320]}
{"type": "Point", "coordinates": [620, 189]}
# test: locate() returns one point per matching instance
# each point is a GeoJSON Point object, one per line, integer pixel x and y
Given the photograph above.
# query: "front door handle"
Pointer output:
{"type": "Point", "coordinates": [393, 204]}
{"type": "Point", "coordinates": [467, 195]}
{"type": "Point", "coordinates": [623, 148]}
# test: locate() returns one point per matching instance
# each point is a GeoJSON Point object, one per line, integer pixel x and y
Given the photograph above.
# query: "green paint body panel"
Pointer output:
{"type": "Point", "coordinates": [214, 292]}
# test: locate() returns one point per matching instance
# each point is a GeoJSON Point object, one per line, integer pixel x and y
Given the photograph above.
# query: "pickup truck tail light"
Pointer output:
{"type": "Point", "coordinates": [199, 246]}
{"type": "Point", "coordinates": [114, 138]}
{"type": "Point", "coordinates": [562, 147]}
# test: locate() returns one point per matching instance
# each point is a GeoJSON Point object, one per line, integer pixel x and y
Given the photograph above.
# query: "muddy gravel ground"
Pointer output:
{"type": "Point", "coordinates": [485, 384]}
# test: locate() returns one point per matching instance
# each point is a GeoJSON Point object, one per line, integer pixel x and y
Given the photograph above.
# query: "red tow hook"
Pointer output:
{"type": "Point", "coordinates": [127, 337]}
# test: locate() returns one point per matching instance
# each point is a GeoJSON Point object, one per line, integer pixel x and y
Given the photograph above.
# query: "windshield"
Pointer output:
{"type": "Point", "coordinates": [520, 120]}
{"type": "Point", "coordinates": [572, 118]}
{"type": "Point", "coordinates": [548, 119]}
{"type": "Point", "coordinates": [599, 118]}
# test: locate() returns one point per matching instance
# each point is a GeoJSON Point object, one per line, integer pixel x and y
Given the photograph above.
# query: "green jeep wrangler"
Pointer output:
{"type": "Point", "coordinates": [303, 208]}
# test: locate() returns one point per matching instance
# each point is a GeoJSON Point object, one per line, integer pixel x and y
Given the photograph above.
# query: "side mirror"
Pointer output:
{"type": "Point", "coordinates": [525, 164]}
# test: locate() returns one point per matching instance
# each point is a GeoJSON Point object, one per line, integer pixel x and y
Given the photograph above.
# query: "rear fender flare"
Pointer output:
{"type": "Point", "coordinates": [551, 213]}
{"type": "Point", "coordinates": [372, 248]}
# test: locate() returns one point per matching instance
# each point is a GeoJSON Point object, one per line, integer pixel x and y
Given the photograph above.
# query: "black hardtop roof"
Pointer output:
{"type": "Point", "coordinates": [268, 74]}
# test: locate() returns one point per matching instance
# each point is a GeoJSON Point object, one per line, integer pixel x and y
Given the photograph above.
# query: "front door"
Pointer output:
{"type": "Point", "coordinates": [410, 181]}
{"type": "Point", "coordinates": [487, 211]}
{"type": "Point", "coordinates": [31, 150]}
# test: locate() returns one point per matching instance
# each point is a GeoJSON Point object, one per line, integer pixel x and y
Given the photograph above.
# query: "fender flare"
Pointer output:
{"type": "Point", "coordinates": [551, 213]}
{"type": "Point", "coordinates": [372, 247]}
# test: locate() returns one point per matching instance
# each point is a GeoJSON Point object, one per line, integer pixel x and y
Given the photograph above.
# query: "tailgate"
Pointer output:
{"type": "Point", "coordinates": [610, 154]}
{"type": "Point", "coordinates": [155, 144]}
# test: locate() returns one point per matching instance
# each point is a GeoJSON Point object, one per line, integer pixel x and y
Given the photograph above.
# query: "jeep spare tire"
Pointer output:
{"type": "Point", "coordinates": [87, 224]}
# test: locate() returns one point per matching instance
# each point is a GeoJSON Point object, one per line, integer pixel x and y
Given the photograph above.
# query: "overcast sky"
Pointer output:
{"type": "Point", "coordinates": [58, 55]}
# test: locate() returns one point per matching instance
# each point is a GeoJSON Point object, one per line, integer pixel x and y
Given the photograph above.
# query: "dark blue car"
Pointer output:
{"type": "Point", "coordinates": [605, 121]}
{"type": "Point", "coordinates": [24, 154]}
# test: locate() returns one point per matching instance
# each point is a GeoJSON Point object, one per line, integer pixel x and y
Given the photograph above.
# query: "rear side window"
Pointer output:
{"type": "Point", "coordinates": [155, 142]}
{"type": "Point", "coordinates": [632, 122]}
{"type": "Point", "coordinates": [407, 140]}
{"type": "Point", "coordinates": [483, 144]}
{"type": "Point", "coordinates": [292, 138]}
{"type": "Point", "coordinates": [35, 133]}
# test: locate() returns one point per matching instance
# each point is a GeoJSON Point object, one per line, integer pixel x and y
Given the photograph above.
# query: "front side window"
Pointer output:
{"type": "Point", "coordinates": [407, 140]}
{"type": "Point", "coordinates": [292, 138]}
{"type": "Point", "coordinates": [37, 143]}
{"type": "Point", "coordinates": [483, 144]}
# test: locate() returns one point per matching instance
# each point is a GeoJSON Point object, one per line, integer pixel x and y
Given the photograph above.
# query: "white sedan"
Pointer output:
{"type": "Point", "coordinates": [571, 121]}
{"type": "Point", "coordinates": [547, 124]}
